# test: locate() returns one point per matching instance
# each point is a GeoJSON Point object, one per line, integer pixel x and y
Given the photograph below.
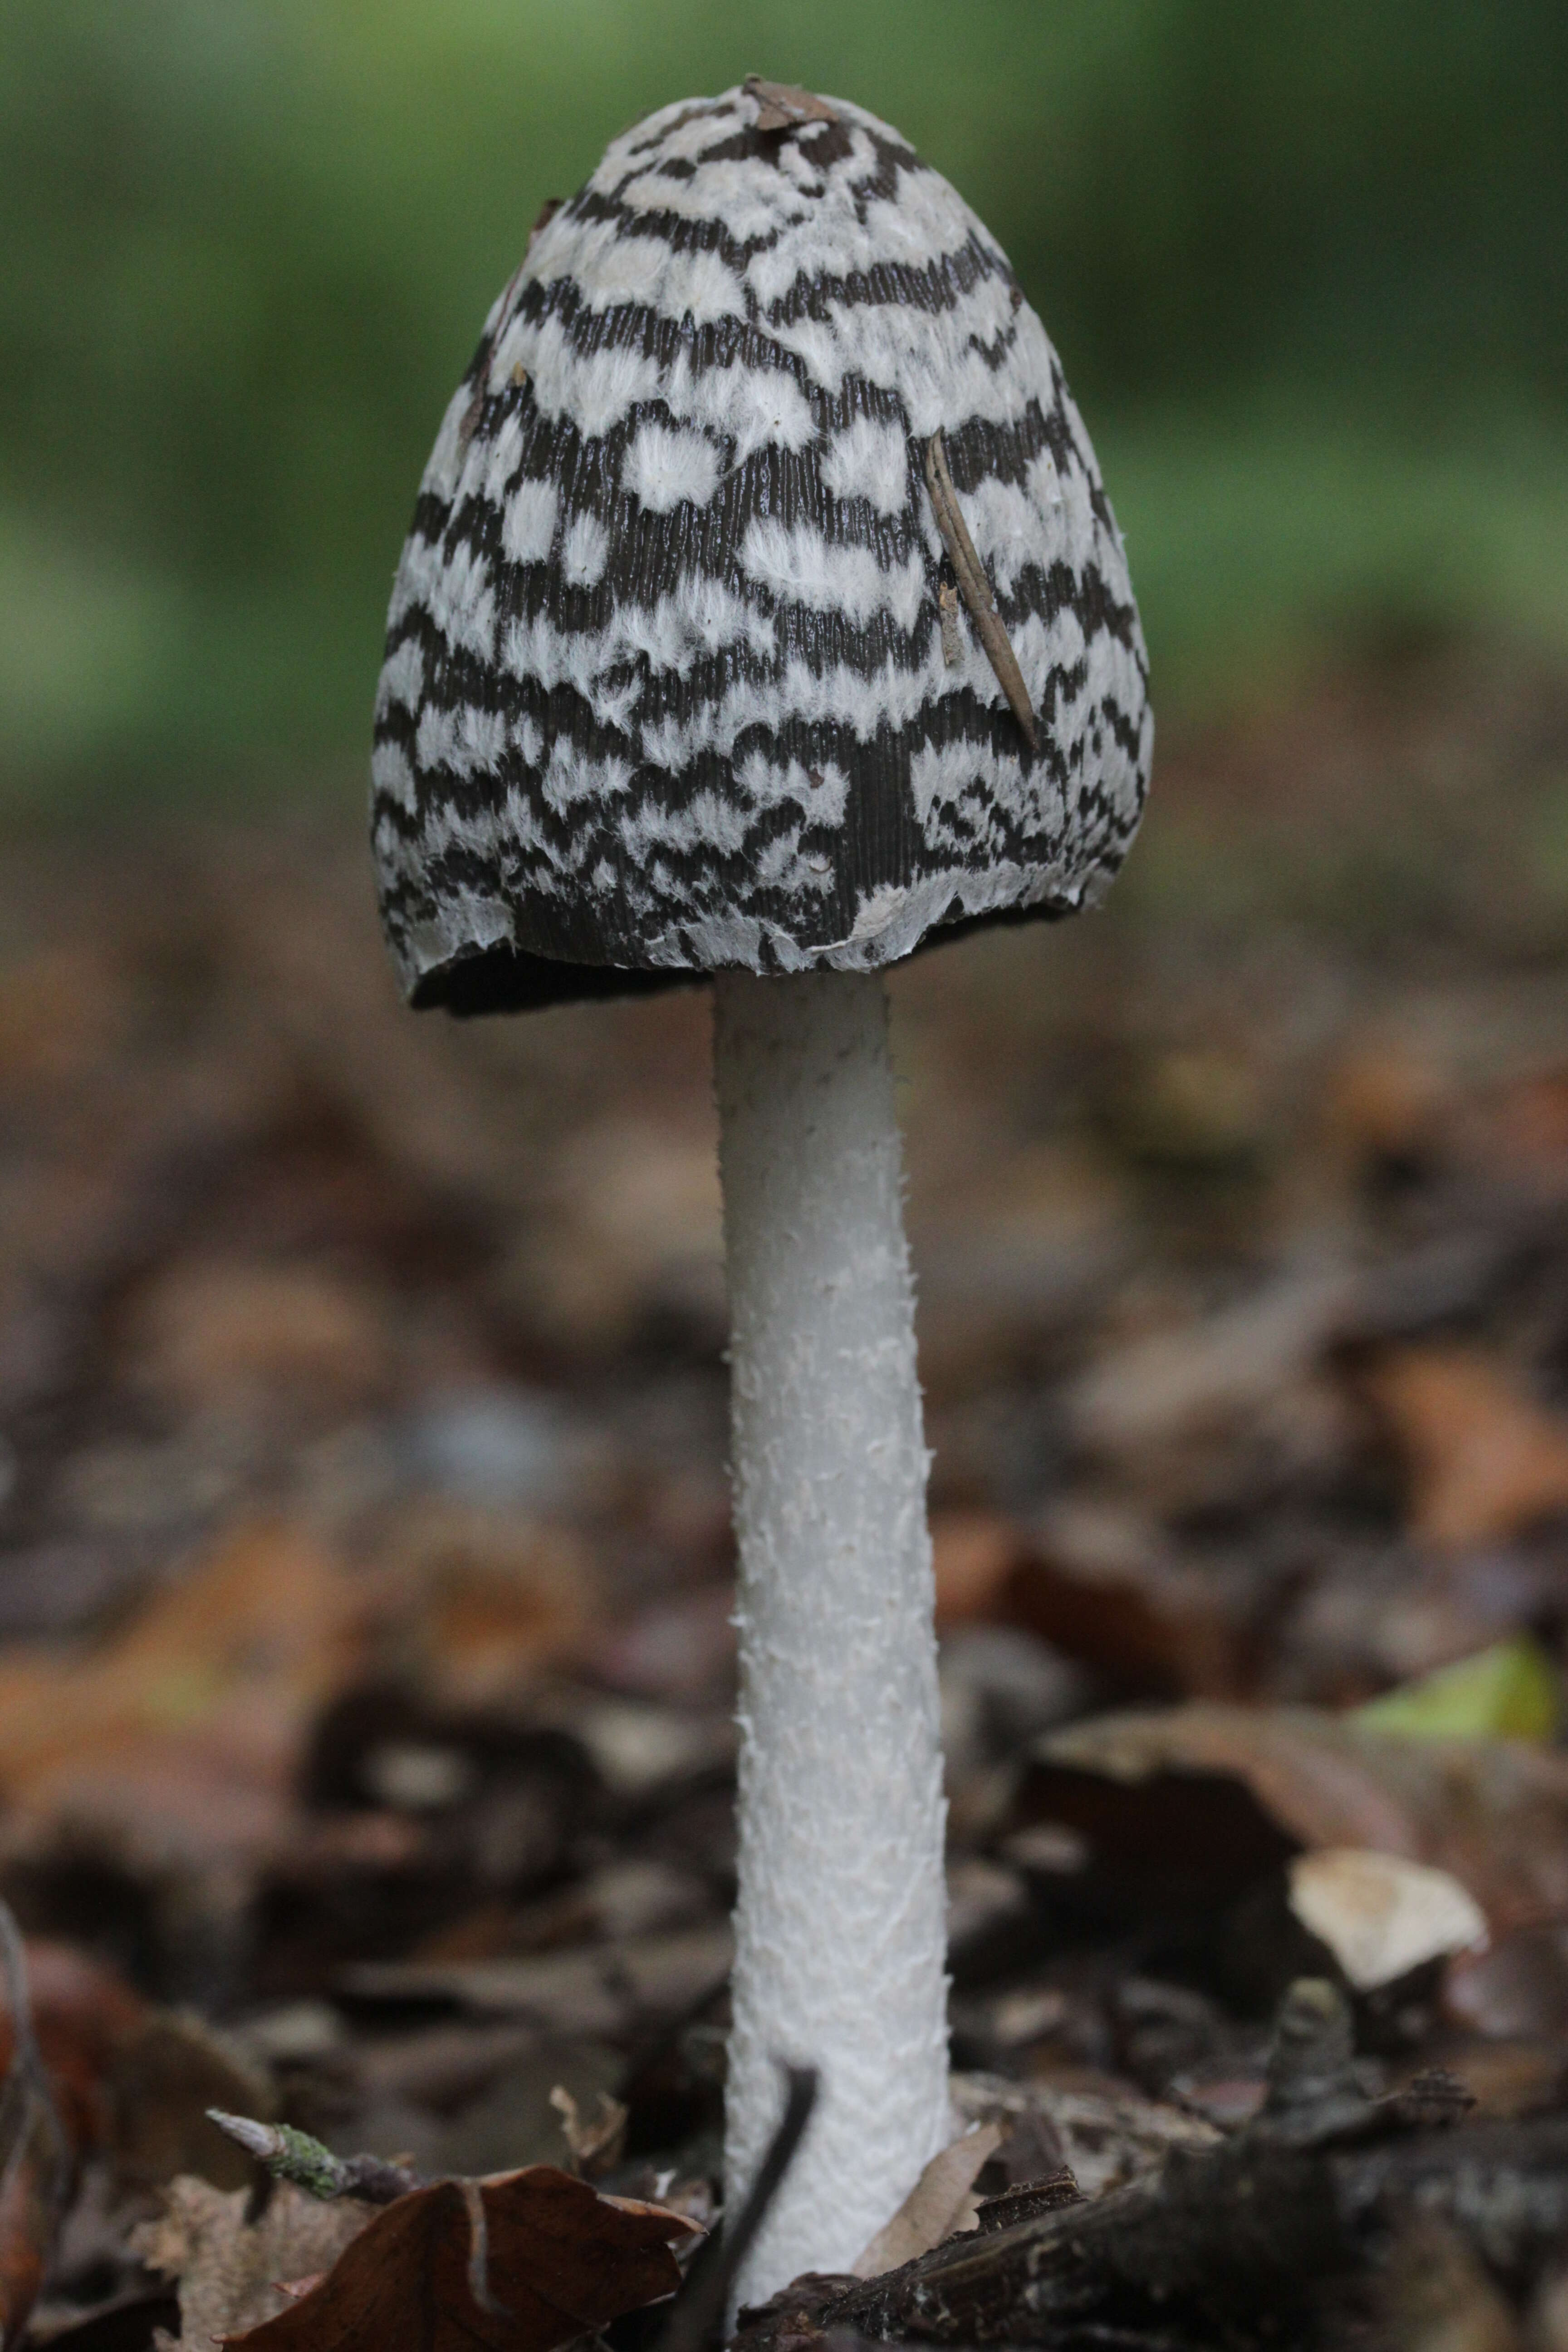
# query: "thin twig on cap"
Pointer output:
{"type": "Point", "coordinates": [975, 590]}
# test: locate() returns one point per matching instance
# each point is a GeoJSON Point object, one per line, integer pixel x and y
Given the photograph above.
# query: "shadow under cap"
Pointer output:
{"type": "Point", "coordinates": [508, 980]}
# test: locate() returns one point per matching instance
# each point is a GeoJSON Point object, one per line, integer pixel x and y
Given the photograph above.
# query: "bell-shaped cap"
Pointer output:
{"type": "Point", "coordinates": [763, 606]}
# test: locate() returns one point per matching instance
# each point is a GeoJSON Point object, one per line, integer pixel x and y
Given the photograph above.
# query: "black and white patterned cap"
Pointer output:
{"type": "Point", "coordinates": [763, 606]}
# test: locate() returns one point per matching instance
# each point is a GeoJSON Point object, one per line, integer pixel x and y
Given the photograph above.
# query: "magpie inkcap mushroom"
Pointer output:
{"type": "Point", "coordinates": [666, 689]}
{"type": "Point", "coordinates": [763, 618]}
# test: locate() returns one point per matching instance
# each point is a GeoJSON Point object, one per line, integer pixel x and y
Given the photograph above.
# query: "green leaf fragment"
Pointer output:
{"type": "Point", "coordinates": [1511, 1691]}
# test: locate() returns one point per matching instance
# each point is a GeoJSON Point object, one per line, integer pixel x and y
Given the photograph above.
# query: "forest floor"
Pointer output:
{"type": "Point", "coordinates": [365, 1657]}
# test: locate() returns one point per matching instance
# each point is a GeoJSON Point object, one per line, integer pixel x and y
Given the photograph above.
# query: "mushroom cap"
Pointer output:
{"type": "Point", "coordinates": [678, 675]}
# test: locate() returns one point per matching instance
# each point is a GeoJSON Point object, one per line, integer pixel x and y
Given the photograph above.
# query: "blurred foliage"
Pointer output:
{"type": "Point", "coordinates": [1509, 1691]}
{"type": "Point", "coordinates": [1307, 265]}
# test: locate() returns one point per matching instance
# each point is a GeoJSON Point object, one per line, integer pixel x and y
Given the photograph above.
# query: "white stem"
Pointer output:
{"type": "Point", "coordinates": [840, 1922]}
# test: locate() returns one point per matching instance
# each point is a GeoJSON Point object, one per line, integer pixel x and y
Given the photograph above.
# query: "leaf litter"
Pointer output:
{"type": "Point", "coordinates": [366, 1671]}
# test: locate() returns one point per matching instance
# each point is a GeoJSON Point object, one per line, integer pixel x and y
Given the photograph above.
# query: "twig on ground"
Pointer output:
{"type": "Point", "coordinates": [697, 2316]}
{"type": "Point", "coordinates": [294, 2156]}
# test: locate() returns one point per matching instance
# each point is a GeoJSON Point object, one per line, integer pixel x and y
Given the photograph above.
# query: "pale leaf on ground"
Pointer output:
{"type": "Point", "coordinates": [941, 2203]}
{"type": "Point", "coordinates": [1382, 1916]}
{"type": "Point", "coordinates": [227, 2269]}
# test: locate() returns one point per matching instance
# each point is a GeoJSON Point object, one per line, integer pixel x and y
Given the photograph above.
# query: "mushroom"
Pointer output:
{"type": "Point", "coordinates": [764, 619]}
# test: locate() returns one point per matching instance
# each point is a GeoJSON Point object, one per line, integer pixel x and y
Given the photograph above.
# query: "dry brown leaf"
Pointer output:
{"type": "Point", "coordinates": [596, 2147]}
{"type": "Point", "coordinates": [239, 1333]}
{"type": "Point", "coordinates": [482, 1598]}
{"type": "Point", "coordinates": [60, 1010]}
{"type": "Point", "coordinates": [1146, 1787]}
{"type": "Point", "coordinates": [227, 2269]}
{"type": "Point", "coordinates": [163, 2080]}
{"type": "Point", "coordinates": [782, 105]}
{"type": "Point", "coordinates": [1516, 1991]}
{"type": "Point", "coordinates": [231, 1662]}
{"type": "Point", "coordinates": [1525, 1127]}
{"type": "Point", "coordinates": [1436, 2294]}
{"type": "Point", "coordinates": [1384, 1098]}
{"type": "Point", "coordinates": [974, 1553]}
{"type": "Point", "coordinates": [1175, 1388]}
{"type": "Point", "coordinates": [556, 2260]}
{"type": "Point", "coordinates": [83, 2015]}
{"type": "Point", "coordinates": [942, 2202]}
{"type": "Point", "coordinates": [1106, 1585]}
{"type": "Point", "coordinates": [1485, 1461]}
{"type": "Point", "coordinates": [35, 2160]}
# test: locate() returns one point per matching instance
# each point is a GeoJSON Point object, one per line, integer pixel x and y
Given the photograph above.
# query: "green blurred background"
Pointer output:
{"type": "Point", "coordinates": [1306, 262]}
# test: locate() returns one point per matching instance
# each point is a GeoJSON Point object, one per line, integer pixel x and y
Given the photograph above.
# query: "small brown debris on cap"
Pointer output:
{"type": "Point", "coordinates": [475, 409]}
{"type": "Point", "coordinates": [781, 106]}
{"type": "Point", "coordinates": [952, 642]}
{"type": "Point", "coordinates": [975, 590]}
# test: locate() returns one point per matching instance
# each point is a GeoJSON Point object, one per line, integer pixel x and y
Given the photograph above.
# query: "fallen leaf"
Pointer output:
{"type": "Point", "coordinates": [234, 1659]}
{"type": "Point", "coordinates": [1107, 1586]}
{"type": "Point", "coordinates": [1375, 1615]}
{"type": "Point", "coordinates": [1509, 1691]}
{"type": "Point", "coordinates": [1526, 1126]}
{"type": "Point", "coordinates": [1382, 1099]}
{"type": "Point", "coordinates": [1380, 1914]}
{"type": "Point", "coordinates": [597, 2147]}
{"type": "Point", "coordinates": [781, 106]}
{"type": "Point", "coordinates": [556, 2260]}
{"type": "Point", "coordinates": [84, 2014]}
{"type": "Point", "coordinates": [62, 1011]}
{"type": "Point", "coordinates": [163, 2081]}
{"type": "Point", "coordinates": [594, 1991]}
{"type": "Point", "coordinates": [1485, 1460]}
{"type": "Point", "coordinates": [1105, 2139]}
{"type": "Point", "coordinates": [247, 1334]}
{"type": "Point", "coordinates": [36, 2163]}
{"type": "Point", "coordinates": [227, 2267]}
{"type": "Point", "coordinates": [1153, 1790]}
{"type": "Point", "coordinates": [1548, 2330]}
{"type": "Point", "coordinates": [942, 2202]}
{"type": "Point", "coordinates": [975, 1554]}
{"type": "Point", "coordinates": [167, 1757]}
{"type": "Point", "coordinates": [681, 1647]}
{"type": "Point", "coordinates": [482, 1598]}
{"type": "Point", "coordinates": [1516, 1990]}
{"type": "Point", "coordinates": [1436, 2295]}
{"type": "Point", "coordinates": [1200, 1108]}
{"type": "Point", "coordinates": [1199, 1413]}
